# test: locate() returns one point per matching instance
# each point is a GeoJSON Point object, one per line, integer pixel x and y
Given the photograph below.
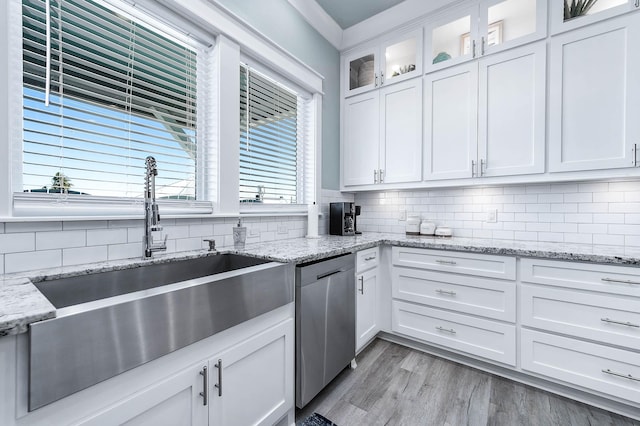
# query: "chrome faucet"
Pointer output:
{"type": "Point", "coordinates": [151, 212]}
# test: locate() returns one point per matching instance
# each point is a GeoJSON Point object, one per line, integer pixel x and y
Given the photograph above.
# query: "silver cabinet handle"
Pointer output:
{"type": "Point", "coordinates": [483, 167]}
{"type": "Point", "coordinates": [205, 382]}
{"type": "Point", "coordinates": [473, 48]}
{"type": "Point", "coordinates": [219, 384]}
{"type": "Point", "coordinates": [635, 145]}
{"type": "Point", "coordinates": [447, 292]}
{"type": "Point", "coordinates": [375, 176]}
{"type": "Point", "coordinates": [381, 78]}
{"type": "Point", "coordinates": [637, 3]}
{"type": "Point", "coordinates": [445, 262]}
{"type": "Point", "coordinates": [482, 46]}
{"type": "Point", "coordinates": [446, 330]}
{"type": "Point", "coordinates": [624, 376]}
{"type": "Point", "coordinates": [628, 324]}
{"type": "Point", "coordinates": [473, 168]}
{"type": "Point", "coordinates": [613, 280]}
{"type": "Point", "coordinates": [381, 176]}
{"type": "Point", "coordinates": [376, 80]}
{"type": "Point", "coordinates": [361, 289]}
{"type": "Point", "coordinates": [369, 258]}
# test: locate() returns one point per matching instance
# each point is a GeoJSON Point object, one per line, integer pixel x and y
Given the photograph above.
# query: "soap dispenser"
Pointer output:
{"type": "Point", "coordinates": [239, 235]}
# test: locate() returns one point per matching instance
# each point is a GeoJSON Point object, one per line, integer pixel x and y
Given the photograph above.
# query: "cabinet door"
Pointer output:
{"type": "Point", "coordinates": [601, 9]}
{"type": "Point", "coordinates": [366, 307]}
{"type": "Point", "coordinates": [252, 382]}
{"type": "Point", "coordinates": [174, 401]}
{"type": "Point", "coordinates": [401, 132]}
{"type": "Point", "coordinates": [450, 122]}
{"type": "Point", "coordinates": [401, 57]}
{"type": "Point", "coordinates": [451, 39]}
{"type": "Point", "coordinates": [511, 128]}
{"type": "Point", "coordinates": [361, 71]}
{"type": "Point", "coordinates": [360, 139]}
{"type": "Point", "coordinates": [508, 23]}
{"type": "Point", "coordinates": [595, 96]}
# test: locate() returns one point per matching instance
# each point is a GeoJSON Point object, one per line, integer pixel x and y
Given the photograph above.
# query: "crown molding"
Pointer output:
{"type": "Point", "coordinates": [316, 16]}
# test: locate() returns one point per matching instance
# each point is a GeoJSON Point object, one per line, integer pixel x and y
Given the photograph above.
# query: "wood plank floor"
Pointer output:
{"type": "Point", "coordinates": [396, 385]}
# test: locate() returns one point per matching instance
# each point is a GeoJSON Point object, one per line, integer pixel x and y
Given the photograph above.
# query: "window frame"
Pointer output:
{"type": "Point", "coordinates": [209, 20]}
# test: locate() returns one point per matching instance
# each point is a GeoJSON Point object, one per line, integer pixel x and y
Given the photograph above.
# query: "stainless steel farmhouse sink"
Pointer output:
{"type": "Point", "coordinates": [110, 322]}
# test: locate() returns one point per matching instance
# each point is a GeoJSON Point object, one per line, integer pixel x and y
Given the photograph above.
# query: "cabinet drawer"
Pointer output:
{"type": "Point", "coordinates": [595, 316]}
{"type": "Point", "coordinates": [482, 265]}
{"type": "Point", "coordinates": [623, 280]}
{"type": "Point", "coordinates": [367, 259]}
{"type": "Point", "coordinates": [600, 368]}
{"type": "Point", "coordinates": [490, 298]}
{"type": "Point", "coordinates": [475, 336]}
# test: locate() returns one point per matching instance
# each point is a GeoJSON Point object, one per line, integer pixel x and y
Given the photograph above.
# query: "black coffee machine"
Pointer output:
{"type": "Point", "coordinates": [343, 219]}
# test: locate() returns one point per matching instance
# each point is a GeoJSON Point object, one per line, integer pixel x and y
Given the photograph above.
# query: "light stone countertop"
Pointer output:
{"type": "Point", "coordinates": [21, 303]}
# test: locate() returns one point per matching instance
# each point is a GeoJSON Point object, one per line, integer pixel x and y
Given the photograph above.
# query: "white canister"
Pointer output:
{"type": "Point", "coordinates": [413, 224]}
{"type": "Point", "coordinates": [427, 228]}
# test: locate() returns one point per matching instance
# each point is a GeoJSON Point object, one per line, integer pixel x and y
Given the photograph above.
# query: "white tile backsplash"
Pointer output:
{"type": "Point", "coordinates": [60, 239]}
{"type": "Point", "coordinates": [21, 242]}
{"type": "Point", "coordinates": [20, 262]}
{"type": "Point", "coordinates": [603, 213]}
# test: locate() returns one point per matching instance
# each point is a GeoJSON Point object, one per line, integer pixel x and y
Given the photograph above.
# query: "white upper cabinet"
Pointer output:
{"type": "Point", "coordinates": [451, 122]}
{"type": "Point", "coordinates": [394, 59]}
{"type": "Point", "coordinates": [487, 27]}
{"type": "Point", "coordinates": [487, 118]}
{"type": "Point", "coordinates": [511, 112]}
{"type": "Point", "coordinates": [602, 9]}
{"type": "Point", "coordinates": [382, 135]}
{"type": "Point", "coordinates": [595, 96]}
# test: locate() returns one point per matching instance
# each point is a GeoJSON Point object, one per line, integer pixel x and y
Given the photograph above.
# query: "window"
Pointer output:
{"type": "Point", "coordinates": [101, 91]}
{"type": "Point", "coordinates": [275, 151]}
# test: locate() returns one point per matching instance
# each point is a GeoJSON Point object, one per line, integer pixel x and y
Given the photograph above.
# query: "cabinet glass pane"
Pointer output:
{"type": "Point", "coordinates": [510, 20]}
{"type": "Point", "coordinates": [400, 58]}
{"type": "Point", "coordinates": [451, 40]}
{"type": "Point", "coordinates": [590, 7]}
{"type": "Point", "coordinates": [361, 72]}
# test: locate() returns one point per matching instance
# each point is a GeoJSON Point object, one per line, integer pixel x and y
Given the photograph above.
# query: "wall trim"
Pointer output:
{"type": "Point", "coordinates": [320, 20]}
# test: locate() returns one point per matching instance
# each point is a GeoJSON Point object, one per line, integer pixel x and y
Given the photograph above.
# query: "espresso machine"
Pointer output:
{"type": "Point", "coordinates": [342, 218]}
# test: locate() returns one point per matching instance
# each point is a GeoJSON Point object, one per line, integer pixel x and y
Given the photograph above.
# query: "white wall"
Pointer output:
{"type": "Point", "coordinates": [600, 213]}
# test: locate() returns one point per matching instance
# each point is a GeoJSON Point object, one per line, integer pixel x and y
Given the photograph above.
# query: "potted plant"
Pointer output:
{"type": "Point", "coordinates": [575, 8]}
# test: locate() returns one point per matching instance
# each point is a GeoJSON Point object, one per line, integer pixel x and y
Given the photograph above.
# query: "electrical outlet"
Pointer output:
{"type": "Point", "coordinates": [492, 216]}
{"type": "Point", "coordinates": [402, 215]}
{"type": "Point", "coordinates": [282, 229]}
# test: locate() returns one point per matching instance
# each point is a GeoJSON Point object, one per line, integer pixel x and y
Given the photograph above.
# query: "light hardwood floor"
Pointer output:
{"type": "Point", "coordinates": [396, 385]}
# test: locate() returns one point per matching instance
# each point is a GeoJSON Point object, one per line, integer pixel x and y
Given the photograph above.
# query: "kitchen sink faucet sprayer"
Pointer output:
{"type": "Point", "coordinates": [151, 212]}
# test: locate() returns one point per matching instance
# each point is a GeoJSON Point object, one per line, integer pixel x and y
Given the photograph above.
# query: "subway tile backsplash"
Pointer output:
{"type": "Point", "coordinates": [602, 213]}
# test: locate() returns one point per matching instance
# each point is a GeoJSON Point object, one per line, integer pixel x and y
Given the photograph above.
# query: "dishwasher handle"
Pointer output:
{"type": "Point", "coordinates": [328, 274]}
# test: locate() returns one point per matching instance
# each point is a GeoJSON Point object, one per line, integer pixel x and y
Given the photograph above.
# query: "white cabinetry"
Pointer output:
{"type": "Point", "coordinates": [253, 381]}
{"type": "Point", "coordinates": [441, 297]}
{"type": "Point", "coordinates": [392, 59]}
{"type": "Point", "coordinates": [382, 135]}
{"type": "Point", "coordinates": [593, 302]}
{"type": "Point", "coordinates": [602, 9]}
{"type": "Point", "coordinates": [487, 118]}
{"type": "Point", "coordinates": [486, 27]}
{"type": "Point", "coordinates": [367, 295]}
{"type": "Point", "coordinates": [595, 96]}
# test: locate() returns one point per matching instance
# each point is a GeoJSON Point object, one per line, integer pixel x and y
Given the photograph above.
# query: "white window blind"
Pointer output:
{"type": "Point", "coordinates": [273, 142]}
{"type": "Point", "coordinates": [118, 90]}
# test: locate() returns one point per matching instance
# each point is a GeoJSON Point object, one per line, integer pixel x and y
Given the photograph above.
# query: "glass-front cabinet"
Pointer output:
{"type": "Point", "coordinates": [567, 16]}
{"type": "Point", "coordinates": [490, 26]}
{"type": "Point", "coordinates": [394, 59]}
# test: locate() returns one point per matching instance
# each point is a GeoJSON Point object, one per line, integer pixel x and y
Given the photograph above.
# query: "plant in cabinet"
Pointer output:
{"type": "Point", "coordinates": [573, 8]}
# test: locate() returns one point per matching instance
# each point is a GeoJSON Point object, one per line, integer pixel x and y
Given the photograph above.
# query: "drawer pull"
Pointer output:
{"type": "Point", "coordinates": [361, 289]}
{"type": "Point", "coordinates": [628, 324]}
{"type": "Point", "coordinates": [369, 258]}
{"type": "Point", "coordinates": [447, 292]}
{"type": "Point", "coordinates": [613, 280]}
{"type": "Point", "coordinates": [624, 376]}
{"type": "Point", "coordinates": [446, 330]}
{"type": "Point", "coordinates": [445, 262]}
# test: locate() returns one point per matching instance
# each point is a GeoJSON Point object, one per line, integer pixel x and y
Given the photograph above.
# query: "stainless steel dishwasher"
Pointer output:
{"type": "Point", "coordinates": [325, 323]}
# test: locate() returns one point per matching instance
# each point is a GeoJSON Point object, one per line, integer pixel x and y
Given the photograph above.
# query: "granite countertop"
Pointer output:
{"type": "Point", "coordinates": [21, 303]}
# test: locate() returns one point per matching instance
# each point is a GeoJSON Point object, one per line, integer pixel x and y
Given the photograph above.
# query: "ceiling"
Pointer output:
{"type": "Point", "coordinates": [347, 13]}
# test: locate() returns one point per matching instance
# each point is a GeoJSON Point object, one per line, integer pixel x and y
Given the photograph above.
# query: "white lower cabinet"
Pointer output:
{"type": "Point", "coordinates": [367, 296]}
{"type": "Point", "coordinates": [251, 383]}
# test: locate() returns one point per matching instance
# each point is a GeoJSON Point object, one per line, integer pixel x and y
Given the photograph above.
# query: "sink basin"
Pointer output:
{"type": "Point", "coordinates": [110, 322]}
{"type": "Point", "coordinates": [87, 288]}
